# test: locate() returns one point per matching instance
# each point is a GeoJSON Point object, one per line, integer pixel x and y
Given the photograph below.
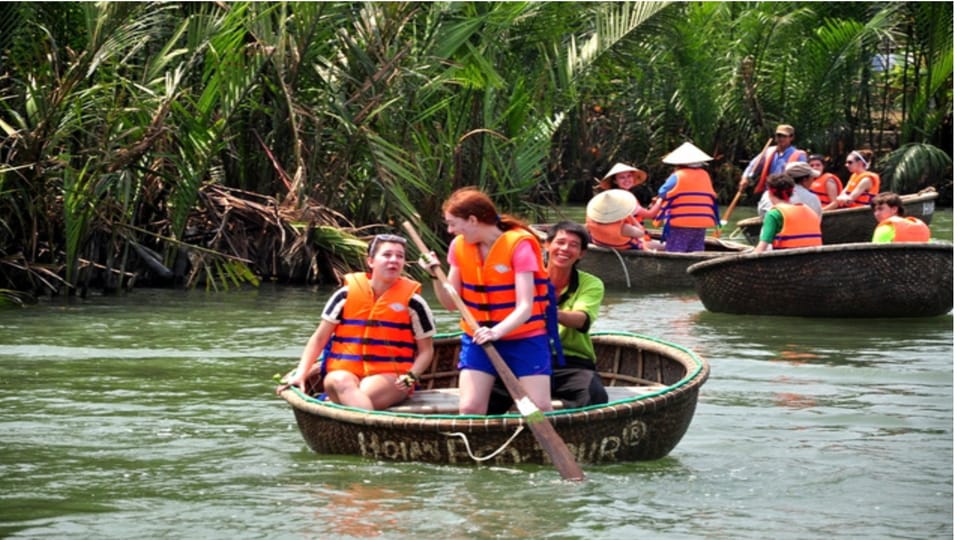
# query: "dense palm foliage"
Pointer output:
{"type": "Point", "coordinates": [225, 142]}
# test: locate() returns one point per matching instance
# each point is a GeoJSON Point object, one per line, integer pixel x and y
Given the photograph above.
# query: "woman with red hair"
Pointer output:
{"type": "Point", "coordinates": [496, 267]}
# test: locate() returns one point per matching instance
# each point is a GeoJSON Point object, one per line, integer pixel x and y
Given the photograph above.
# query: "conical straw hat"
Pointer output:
{"type": "Point", "coordinates": [686, 154]}
{"type": "Point", "coordinates": [611, 206]}
{"type": "Point", "coordinates": [640, 176]}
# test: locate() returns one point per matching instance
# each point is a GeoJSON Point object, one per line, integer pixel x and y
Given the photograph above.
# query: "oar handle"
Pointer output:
{"type": "Point", "coordinates": [542, 429]}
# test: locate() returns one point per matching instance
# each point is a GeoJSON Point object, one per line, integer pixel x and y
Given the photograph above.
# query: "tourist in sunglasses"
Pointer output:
{"type": "Point", "coordinates": [863, 185]}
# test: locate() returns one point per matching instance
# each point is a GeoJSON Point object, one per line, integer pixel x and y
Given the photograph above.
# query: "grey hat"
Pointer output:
{"type": "Point", "coordinates": [800, 169]}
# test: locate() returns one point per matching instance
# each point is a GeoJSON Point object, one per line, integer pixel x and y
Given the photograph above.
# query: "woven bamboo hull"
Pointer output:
{"type": "Point", "coordinates": [851, 225]}
{"type": "Point", "coordinates": [644, 427]}
{"type": "Point", "coordinates": [650, 271]}
{"type": "Point", "coordinates": [846, 280]}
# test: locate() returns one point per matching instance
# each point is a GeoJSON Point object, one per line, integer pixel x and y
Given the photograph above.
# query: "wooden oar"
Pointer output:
{"type": "Point", "coordinates": [736, 198]}
{"type": "Point", "coordinates": [726, 215]}
{"type": "Point", "coordinates": [542, 429]}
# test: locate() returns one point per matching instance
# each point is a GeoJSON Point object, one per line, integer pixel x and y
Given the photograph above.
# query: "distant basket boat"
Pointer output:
{"type": "Point", "coordinates": [653, 387]}
{"type": "Point", "coordinates": [650, 271]}
{"type": "Point", "coordinates": [846, 280]}
{"type": "Point", "coordinates": [850, 225]}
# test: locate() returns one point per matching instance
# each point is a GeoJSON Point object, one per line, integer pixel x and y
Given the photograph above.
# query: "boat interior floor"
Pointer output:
{"type": "Point", "coordinates": [446, 400]}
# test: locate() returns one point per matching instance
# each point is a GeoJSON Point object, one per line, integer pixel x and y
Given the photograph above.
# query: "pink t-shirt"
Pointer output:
{"type": "Point", "coordinates": [524, 260]}
{"type": "Point", "coordinates": [524, 257]}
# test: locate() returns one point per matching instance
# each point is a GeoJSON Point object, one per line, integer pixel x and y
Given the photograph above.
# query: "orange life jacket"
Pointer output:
{"type": "Point", "coordinates": [692, 202]}
{"type": "Point", "coordinates": [767, 161]}
{"type": "Point", "coordinates": [868, 195]}
{"type": "Point", "coordinates": [801, 227]}
{"type": "Point", "coordinates": [819, 187]}
{"type": "Point", "coordinates": [375, 335]}
{"type": "Point", "coordinates": [489, 288]}
{"type": "Point", "coordinates": [907, 229]}
{"type": "Point", "coordinates": [609, 235]}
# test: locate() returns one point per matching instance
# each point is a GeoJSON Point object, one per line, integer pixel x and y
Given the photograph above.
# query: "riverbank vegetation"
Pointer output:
{"type": "Point", "coordinates": [227, 143]}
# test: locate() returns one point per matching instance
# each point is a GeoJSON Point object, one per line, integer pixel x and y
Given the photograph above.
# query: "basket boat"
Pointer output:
{"type": "Point", "coordinates": [653, 387]}
{"type": "Point", "coordinates": [851, 225]}
{"type": "Point", "coordinates": [845, 280]}
{"type": "Point", "coordinates": [650, 271]}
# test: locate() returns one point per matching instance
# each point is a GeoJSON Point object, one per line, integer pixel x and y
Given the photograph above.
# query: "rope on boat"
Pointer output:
{"type": "Point", "coordinates": [626, 273]}
{"type": "Point", "coordinates": [492, 454]}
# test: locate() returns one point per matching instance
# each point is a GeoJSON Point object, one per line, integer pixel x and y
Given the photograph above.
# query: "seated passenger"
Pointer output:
{"type": "Point", "coordinates": [787, 225]}
{"type": "Point", "coordinates": [893, 226]}
{"type": "Point", "coordinates": [863, 185]}
{"type": "Point", "coordinates": [803, 176]}
{"type": "Point", "coordinates": [611, 224]}
{"type": "Point", "coordinates": [373, 353]}
{"type": "Point", "coordinates": [826, 186]}
{"type": "Point", "coordinates": [625, 177]}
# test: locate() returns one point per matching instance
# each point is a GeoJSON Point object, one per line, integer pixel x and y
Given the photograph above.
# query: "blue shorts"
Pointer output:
{"type": "Point", "coordinates": [525, 357]}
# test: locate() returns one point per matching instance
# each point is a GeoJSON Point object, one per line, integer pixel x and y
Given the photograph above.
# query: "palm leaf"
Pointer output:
{"type": "Point", "coordinates": [913, 166]}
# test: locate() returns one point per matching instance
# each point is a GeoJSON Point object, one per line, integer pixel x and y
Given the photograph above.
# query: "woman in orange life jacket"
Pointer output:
{"type": "Point", "coordinates": [863, 185]}
{"type": "Point", "coordinates": [376, 333]}
{"type": "Point", "coordinates": [826, 186]}
{"type": "Point", "coordinates": [688, 203]}
{"type": "Point", "coordinates": [496, 266]}
{"type": "Point", "coordinates": [787, 225]}
{"type": "Point", "coordinates": [892, 225]}
{"type": "Point", "coordinates": [631, 179]}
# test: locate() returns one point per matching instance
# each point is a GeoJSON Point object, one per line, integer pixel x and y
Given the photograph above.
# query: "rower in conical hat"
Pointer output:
{"type": "Point", "coordinates": [687, 154]}
{"type": "Point", "coordinates": [688, 202]}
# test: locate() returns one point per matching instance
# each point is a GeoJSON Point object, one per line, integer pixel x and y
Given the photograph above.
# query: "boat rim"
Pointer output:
{"type": "Point", "coordinates": [936, 245]}
{"type": "Point", "coordinates": [909, 198]}
{"type": "Point", "coordinates": [695, 377]}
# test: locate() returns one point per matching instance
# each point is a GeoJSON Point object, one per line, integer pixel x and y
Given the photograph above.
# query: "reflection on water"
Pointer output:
{"type": "Point", "coordinates": [152, 414]}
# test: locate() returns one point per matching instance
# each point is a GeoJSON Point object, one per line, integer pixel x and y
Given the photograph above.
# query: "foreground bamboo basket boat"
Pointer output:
{"type": "Point", "coordinates": [845, 280]}
{"type": "Point", "coordinates": [851, 225]}
{"type": "Point", "coordinates": [653, 387]}
{"type": "Point", "coordinates": [650, 271]}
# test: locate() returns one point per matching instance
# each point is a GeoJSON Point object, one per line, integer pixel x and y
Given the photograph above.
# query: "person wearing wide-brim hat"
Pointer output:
{"type": "Point", "coordinates": [611, 223]}
{"type": "Point", "coordinates": [632, 179]}
{"type": "Point", "coordinates": [621, 176]}
{"type": "Point", "coordinates": [687, 202]}
{"type": "Point", "coordinates": [803, 175]}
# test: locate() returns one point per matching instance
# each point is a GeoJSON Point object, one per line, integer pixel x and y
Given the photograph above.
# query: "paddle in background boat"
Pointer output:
{"type": "Point", "coordinates": [542, 429]}
{"type": "Point", "coordinates": [736, 198]}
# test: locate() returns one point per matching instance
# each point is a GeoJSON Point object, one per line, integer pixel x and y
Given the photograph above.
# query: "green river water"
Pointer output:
{"type": "Point", "coordinates": [152, 415]}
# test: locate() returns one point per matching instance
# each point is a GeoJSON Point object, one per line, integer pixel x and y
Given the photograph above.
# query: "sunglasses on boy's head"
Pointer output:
{"type": "Point", "coordinates": [380, 238]}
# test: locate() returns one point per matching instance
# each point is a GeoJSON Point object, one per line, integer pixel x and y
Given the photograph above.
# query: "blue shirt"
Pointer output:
{"type": "Point", "coordinates": [779, 161]}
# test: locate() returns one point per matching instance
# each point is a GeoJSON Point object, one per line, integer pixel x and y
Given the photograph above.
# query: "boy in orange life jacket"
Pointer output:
{"type": "Point", "coordinates": [787, 225]}
{"type": "Point", "coordinates": [892, 225]}
{"type": "Point", "coordinates": [370, 364]}
{"type": "Point", "coordinates": [497, 269]}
